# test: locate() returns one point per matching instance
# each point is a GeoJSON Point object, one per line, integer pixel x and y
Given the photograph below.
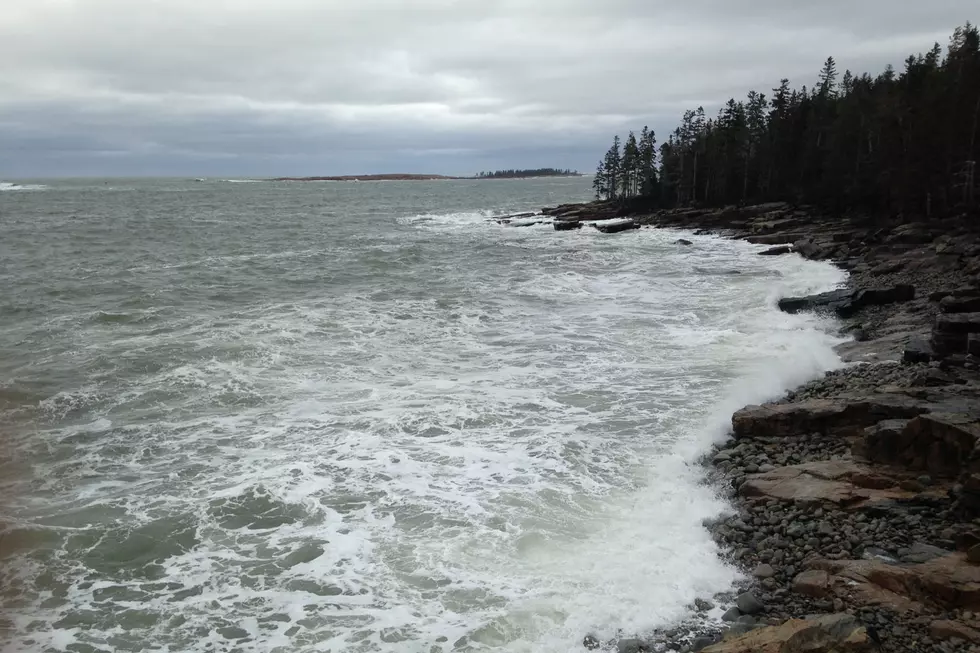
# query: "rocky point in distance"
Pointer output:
{"type": "Point", "coordinates": [856, 497]}
{"type": "Point", "coordinates": [497, 174]}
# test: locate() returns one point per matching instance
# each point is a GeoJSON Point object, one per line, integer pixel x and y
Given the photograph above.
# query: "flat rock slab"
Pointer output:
{"type": "Point", "coordinates": [616, 226]}
{"type": "Point", "coordinates": [822, 416]}
{"type": "Point", "coordinates": [960, 304]}
{"type": "Point", "coordinates": [948, 629]}
{"type": "Point", "coordinates": [949, 582]}
{"type": "Point", "coordinates": [777, 251]}
{"type": "Point", "coordinates": [825, 634]}
{"type": "Point", "coordinates": [819, 482]}
{"type": "Point", "coordinates": [845, 302]}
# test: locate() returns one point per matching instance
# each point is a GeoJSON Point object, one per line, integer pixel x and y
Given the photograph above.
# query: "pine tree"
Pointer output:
{"type": "Point", "coordinates": [630, 167]}
{"type": "Point", "coordinates": [648, 163]}
{"type": "Point", "coordinates": [600, 183]}
{"type": "Point", "coordinates": [613, 167]}
{"type": "Point", "coordinates": [828, 79]}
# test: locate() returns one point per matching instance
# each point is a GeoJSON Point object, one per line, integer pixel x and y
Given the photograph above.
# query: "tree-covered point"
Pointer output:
{"type": "Point", "coordinates": [534, 172]}
{"type": "Point", "coordinates": [898, 143]}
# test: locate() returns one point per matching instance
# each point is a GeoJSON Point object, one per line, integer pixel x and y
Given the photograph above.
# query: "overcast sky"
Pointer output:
{"type": "Point", "coordinates": [277, 87]}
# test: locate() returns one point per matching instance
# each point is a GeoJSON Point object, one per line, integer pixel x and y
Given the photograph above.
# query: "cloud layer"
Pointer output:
{"type": "Point", "coordinates": [266, 87]}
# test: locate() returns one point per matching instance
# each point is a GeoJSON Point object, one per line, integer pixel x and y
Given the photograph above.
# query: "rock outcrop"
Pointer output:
{"type": "Point", "coordinates": [834, 633]}
{"type": "Point", "coordinates": [846, 303]}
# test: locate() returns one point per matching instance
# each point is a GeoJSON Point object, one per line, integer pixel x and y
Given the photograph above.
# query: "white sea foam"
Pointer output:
{"type": "Point", "coordinates": [500, 459]}
{"type": "Point", "coordinates": [10, 186]}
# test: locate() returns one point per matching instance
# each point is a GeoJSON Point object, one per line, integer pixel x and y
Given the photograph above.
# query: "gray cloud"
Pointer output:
{"type": "Point", "coordinates": [305, 86]}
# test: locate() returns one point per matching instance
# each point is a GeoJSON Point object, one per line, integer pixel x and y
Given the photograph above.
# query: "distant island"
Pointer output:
{"type": "Point", "coordinates": [390, 177]}
{"type": "Point", "coordinates": [533, 172]}
{"type": "Point", "coordinates": [497, 174]}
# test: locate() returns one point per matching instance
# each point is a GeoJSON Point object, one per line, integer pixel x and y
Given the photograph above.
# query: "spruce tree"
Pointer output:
{"type": "Point", "coordinates": [613, 167]}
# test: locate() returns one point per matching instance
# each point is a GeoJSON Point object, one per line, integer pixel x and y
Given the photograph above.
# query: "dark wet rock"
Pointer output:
{"type": "Point", "coordinates": [631, 646]}
{"type": "Point", "coordinates": [832, 300]}
{"type": "Point", "coordinates": [846, 302]}
{"type": "Point", "coordinates": [703, 605]}
{"type": "Point", "coordinates": [952, 304]}
{"type": "Point", "coordinates": [732, 614]}
{"type": "Point", "coordinates": [777, 251]}
{"type": "Point", "coordinates": [764, 571]}
{"type": "Point", "coordinates": [682, 241]}
{"type": "Point", "coordinates": [919, 350]}
{"type": "Point", "coordinates": [567, 225]}
{"type": "Point", "coordinates": [591, 642]}
{"type": "Point", "coordinates": [233, 632]}
{"type": "Point", "coordinates": [747, 603]}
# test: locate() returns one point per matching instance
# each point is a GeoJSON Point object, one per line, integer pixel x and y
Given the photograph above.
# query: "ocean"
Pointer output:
{"type": "Point", "coordinates": [289, 417]}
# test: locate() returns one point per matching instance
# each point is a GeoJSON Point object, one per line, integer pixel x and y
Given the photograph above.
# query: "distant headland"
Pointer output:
{"type": "Point", "coordinates": [497, 174]}
{"type": "Point", "coordinates": [521, 174]}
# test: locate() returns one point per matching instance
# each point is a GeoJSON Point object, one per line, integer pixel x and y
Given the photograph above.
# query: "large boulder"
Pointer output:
{"type": "Point", "coordinates": [821, 416]}
{"type": "Point", "coordinates": [616, 226]}
{"type": "Point", "coordinates": [835, 300]}
{"type": "Point", "coordinates": [830, 633]}
{"type": "Point", "coordinates": [952, 331]}
{"type": "Point", "coordinates": [814, 583]}
{"type": "Point", "coordinates": [777, 251]}
{"type": "Point", "coordinates": [954, 304]}
{"type": "Point", "coordinates": [918, 350]}
{"type": "Point", "coordinates": [882, 296]}
{"type": "Point", "coordinates": [948, 582]}
{"type": "Point", "coordinates": [938, 443]}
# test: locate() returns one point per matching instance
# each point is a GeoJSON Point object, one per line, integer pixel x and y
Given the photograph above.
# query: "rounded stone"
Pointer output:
{"type": "Point", "coordinates": [748, 604]}
{"type": "Point", "coordinates": [764, 571]}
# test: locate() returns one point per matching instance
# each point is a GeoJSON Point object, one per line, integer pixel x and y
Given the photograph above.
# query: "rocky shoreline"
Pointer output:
{"type": "Point", "coordinates": [857, 496]}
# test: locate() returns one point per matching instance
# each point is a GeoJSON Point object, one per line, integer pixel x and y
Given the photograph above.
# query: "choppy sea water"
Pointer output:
{"type": "Point", "coordinates": [362, 417]}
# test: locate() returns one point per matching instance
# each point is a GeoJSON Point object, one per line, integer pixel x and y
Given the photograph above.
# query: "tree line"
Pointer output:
{"type": "Point", "coordinates": [900, 142]}
{"type": "Point", "coordinates": [533, 172]}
